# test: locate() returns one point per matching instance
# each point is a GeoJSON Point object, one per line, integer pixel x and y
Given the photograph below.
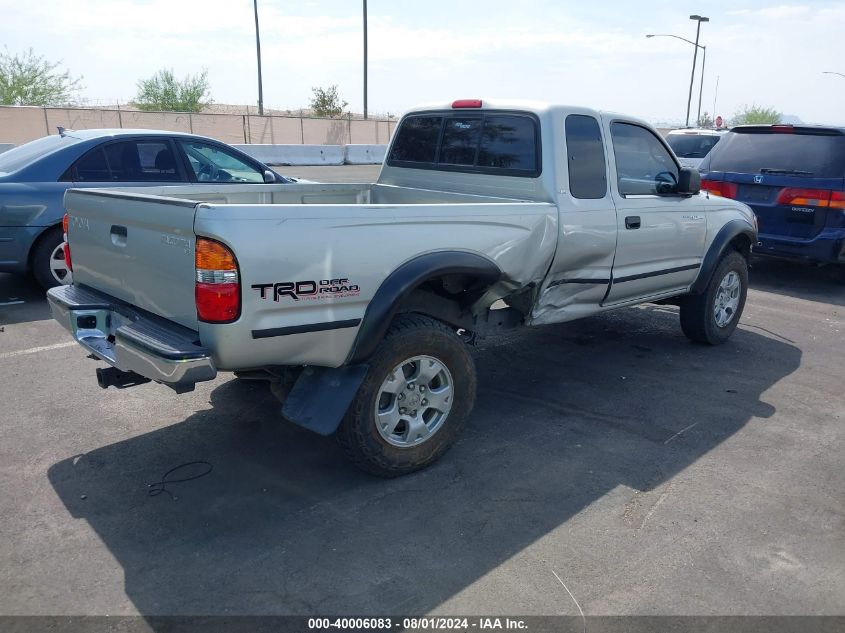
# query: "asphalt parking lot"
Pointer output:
{"type": "Point", "coordinates": [647, 474]}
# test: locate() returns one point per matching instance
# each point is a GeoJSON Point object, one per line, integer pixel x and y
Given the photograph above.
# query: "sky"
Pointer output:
{"type": "Point", "coordinates": [580, 53]}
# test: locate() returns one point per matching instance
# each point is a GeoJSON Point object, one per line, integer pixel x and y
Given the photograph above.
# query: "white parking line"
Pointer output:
{"type": "Point", "coordinates": [11, 303]}
{"type": "Point", "coordinates": [35, 350]}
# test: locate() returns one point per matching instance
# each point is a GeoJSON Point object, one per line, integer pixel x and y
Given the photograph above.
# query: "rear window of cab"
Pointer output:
{"type": "Point", "coordinates": [483, 142]}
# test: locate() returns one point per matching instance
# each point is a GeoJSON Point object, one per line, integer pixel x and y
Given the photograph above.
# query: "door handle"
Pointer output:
{"type": "Point", "coordinates": [632, 222]}
{"type": "Point", "coordinates": [118, 235]}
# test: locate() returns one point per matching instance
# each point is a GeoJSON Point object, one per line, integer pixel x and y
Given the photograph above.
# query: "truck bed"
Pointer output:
{"type": "Point", "coordinates": [138, 246]}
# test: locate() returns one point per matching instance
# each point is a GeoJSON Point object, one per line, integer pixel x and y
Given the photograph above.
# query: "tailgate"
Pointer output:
{"type": "Point", "coordinates": [135, 247]}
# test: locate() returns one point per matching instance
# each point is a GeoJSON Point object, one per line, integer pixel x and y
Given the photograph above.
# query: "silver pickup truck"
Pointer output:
{"type": "Point", "coordinates": [357, 302]}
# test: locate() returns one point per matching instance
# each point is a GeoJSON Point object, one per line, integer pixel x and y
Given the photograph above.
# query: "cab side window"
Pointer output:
{"type": "Point", "coordinates": [643, 164]}
{"type": "Point", "coordinates": [585, 158]}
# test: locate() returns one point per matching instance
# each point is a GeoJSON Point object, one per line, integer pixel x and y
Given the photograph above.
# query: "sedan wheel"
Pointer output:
{"type": "Point", "coordinates": [58, 268]}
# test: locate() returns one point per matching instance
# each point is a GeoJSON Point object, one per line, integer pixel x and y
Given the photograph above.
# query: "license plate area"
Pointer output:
{"type": "Point", "coordinates": [760, 194]}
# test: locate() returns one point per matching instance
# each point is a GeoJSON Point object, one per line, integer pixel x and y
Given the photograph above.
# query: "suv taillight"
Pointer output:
{"type": "Point", "coordinates": [719, 188]}
{"type": "Point", "coordinates": [65, 245]}
{"type": "Point", "coordinates": [812, 198]}
{"type": "Point", "coordinates": [218, 286]}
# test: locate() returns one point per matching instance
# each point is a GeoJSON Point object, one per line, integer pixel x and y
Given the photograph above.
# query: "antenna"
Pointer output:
{"type": "Point", "coordinates": [61, 131]}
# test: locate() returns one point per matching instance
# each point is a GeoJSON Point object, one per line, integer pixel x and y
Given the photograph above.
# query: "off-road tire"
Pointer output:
{"type": "Point", "coordinates": [698, 320]}
{"type": "Point", "coordinates": [41, 254]}
{"type": "Point", "coordinates": [408, 336]}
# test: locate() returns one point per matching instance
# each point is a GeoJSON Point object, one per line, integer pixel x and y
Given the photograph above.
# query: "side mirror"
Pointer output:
{"type": "Point", "coordinates": [689, 182]}
{"type": "Point", "coordinates": [269, 176]}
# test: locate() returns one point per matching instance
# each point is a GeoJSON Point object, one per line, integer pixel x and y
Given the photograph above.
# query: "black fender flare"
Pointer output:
{"type": "Point", "coordinates": [402, 281]}
{"type": "Point", "coordinates": [721, 243]}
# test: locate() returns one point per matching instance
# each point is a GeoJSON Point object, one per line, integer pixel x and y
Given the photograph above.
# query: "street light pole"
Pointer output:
{"type": "Point", "coordinates": [699, 19]}
{"type": "Point", "coordinates": [703, 61]}
{"type": "Point", "coordinates": [365, 59]}
{"type": "Point", "coordinates": [832, 72]}
{"type": "Point", "coordinates": [258, 54]}
{"type": "Point", "coordinates": [701, 85]}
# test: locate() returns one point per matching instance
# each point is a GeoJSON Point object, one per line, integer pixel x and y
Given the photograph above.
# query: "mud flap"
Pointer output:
{"type": "Point", "coordinates": [321, 396]}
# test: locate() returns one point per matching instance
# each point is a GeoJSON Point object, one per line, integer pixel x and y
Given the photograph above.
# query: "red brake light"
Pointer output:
{"type": "Point", "coordinates": [783, 129]}
{"type": "Point", "coordinates": [837, 200]}
{"type": "Point", "coordinates": [65, 245]}
{"type": "Point", "coordinates": [467, 103]}
{"type": "Point", "coordinates": [218, 285]}
{"type": "Point", "coordinates": [805, 197]}
{"type": "Point", "coordinates": [719, 188]}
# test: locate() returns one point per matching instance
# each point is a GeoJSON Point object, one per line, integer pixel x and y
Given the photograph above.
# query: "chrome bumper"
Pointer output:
{"type": "Point", "coordinates": [130, 340]}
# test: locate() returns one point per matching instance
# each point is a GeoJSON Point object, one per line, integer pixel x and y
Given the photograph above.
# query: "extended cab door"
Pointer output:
{"type": "Point", "coordinates": [661, 234]}
{"type": "Point", "coordinates": [580, 272]}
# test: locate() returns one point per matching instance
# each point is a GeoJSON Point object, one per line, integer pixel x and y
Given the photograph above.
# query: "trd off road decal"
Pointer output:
{"type": "Point", "coordinates": [308, 290]}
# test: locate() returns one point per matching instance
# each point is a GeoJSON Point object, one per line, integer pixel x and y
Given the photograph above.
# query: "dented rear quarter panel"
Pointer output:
{"type": "Point", "coordinates": [362, 244]}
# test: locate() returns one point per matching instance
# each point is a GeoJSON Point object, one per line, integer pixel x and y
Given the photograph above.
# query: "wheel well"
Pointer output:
{"type": "Point", "coordinates": [446, 298]}
{"type": "Point", "coordinates": [40, 238]}
{"type": "Point", "coordinates": [742, 244]}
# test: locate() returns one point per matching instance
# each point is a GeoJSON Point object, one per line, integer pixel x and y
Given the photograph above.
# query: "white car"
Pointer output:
{"type": "Point", "coordinates": [691, 145]}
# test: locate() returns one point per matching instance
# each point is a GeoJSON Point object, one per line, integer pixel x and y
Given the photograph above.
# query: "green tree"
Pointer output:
{"type": "Point", "coordinates": [326, 102]}
{"type": "Point", "coordinates": [755, 114]}
{"type": "Point", "coordinates": [29, 79]}
{"type": "Point", "coordinates": [706, 120]}
{"type": "Point", "coordinates": [163, 91]}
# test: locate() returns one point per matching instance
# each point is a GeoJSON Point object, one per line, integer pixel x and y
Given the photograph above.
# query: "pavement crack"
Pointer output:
{"type": "Point", "coordinates": [580, 610]}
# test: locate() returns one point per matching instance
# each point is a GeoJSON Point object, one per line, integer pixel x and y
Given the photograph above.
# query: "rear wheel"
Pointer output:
{"type": "Point", "coordinates": [711, 317]}
{"type": "Point", "coordinates": [48, 260]}
{"type": "Point", "coordinates": [414, 400]}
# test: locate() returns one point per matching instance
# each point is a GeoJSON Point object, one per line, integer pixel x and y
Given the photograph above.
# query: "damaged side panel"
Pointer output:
{"type": "Point", "coordinates": [293, 253]}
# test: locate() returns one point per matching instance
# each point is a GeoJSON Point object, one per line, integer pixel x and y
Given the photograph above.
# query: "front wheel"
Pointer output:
{"type": "Point", "coordinates": [712, 316]}
{"type": "Point", "coordinates": [410, 408]}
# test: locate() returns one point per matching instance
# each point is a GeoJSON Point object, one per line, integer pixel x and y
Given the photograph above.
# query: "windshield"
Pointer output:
{"type": "Point", "coordinates": [691, 145]}
{"type": "Point", "coordinates": [816, 155]}
{"type": "Point", "coordinates": [24, 155]}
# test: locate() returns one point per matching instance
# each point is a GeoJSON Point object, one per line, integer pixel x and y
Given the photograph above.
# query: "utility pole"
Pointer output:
{"type": "Point", "coordinates": [699, 19]}
{"type": "Point", "coordinates": [258, 54]}
{"type": "Point", "coordinates": [365, 59]}
{"type": "Point", "coordinates": [701, 86]}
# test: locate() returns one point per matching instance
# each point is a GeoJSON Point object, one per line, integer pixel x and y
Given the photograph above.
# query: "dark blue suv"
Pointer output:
{"type": "Point", "coordinates": [793, 177]}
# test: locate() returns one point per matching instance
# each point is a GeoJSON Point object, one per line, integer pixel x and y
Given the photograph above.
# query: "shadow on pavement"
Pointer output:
{"type": "Point", "coordinates": [797, 279]}
{"type": "Point", "coordinates": [283, 525]}
{"type": "Point", "coordinates": [21, 300]}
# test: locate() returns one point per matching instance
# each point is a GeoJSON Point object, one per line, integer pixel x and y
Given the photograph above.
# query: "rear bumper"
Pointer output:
{"type": "Point", "coordinates": [131, 340]}
{"type": "Point", "coordinates": [827, 247]}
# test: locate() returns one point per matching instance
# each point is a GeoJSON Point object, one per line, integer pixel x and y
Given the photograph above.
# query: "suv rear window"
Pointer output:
{"type": "Point", "coordinates": [803, 153]}
{"type": "Point", "coordinates": [488, 142]}
{"type": "Point", "coordinates": [692, 145]}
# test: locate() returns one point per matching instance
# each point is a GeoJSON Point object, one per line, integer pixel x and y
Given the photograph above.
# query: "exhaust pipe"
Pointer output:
{"type": "Point", "coordinates": [113, 377]}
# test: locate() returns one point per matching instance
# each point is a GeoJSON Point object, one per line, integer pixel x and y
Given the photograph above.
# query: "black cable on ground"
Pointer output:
{"type": "Point", "coordinates": [159, 487]}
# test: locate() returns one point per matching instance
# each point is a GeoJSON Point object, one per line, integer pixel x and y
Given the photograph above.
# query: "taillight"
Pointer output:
{"type": "Point", "coordinates": [837, 200]}
{"type": "Point", "coordinates": [65, 245]}
{"type": "Point", "coordinates": [467, 103]}
{"type": "Point", "coordinates": [218, 286]}
{"type": "Point", "coordinates": [719, 188]}
{"type": "Point", "coordinates": [804, 197]}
